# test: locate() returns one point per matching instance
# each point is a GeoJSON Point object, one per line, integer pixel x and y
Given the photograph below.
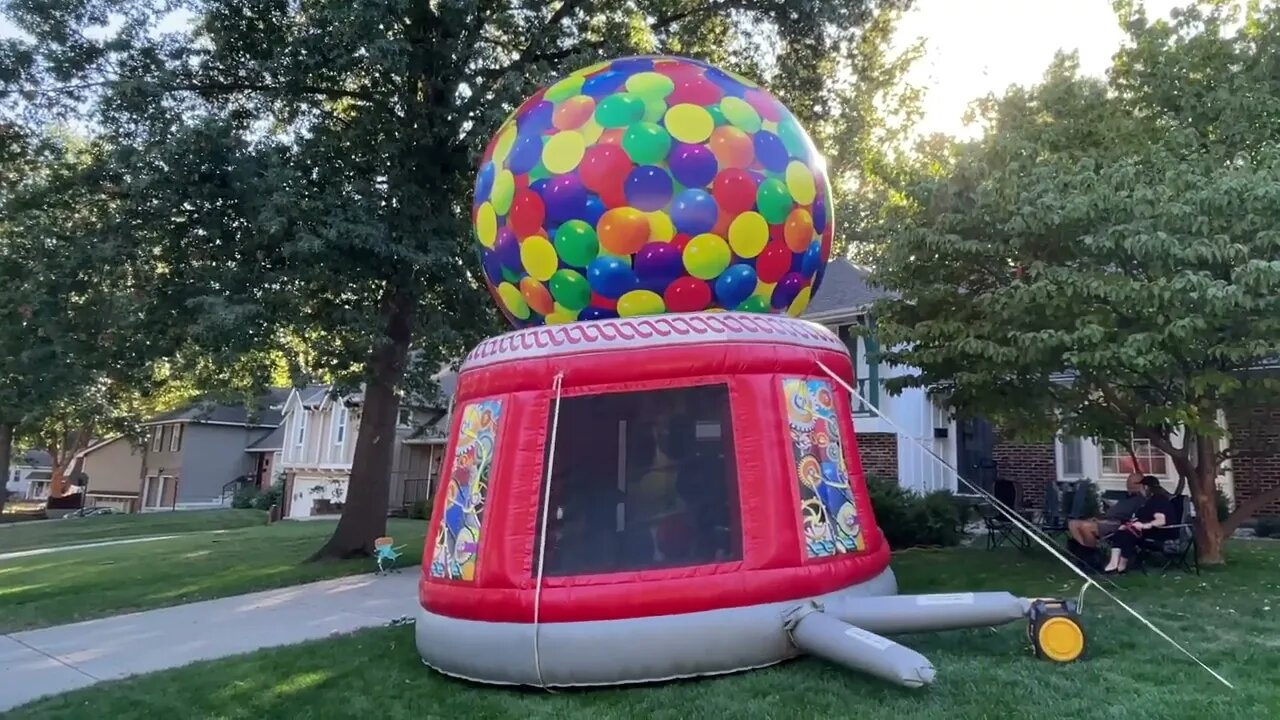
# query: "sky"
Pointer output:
{"type": "Point", "coordinates": [975, 47]}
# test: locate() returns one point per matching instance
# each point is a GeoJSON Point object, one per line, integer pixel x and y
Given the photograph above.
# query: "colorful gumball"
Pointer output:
{"type": "Point", "coordinates": [643, 186]}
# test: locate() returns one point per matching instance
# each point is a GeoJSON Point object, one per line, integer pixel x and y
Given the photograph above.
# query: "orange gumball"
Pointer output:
{"type": "Point", "coordinates": [573, 113]}
{"type": "Point", "coordinates": [537, 295]}
{"type": "Point", "coordinates": [623, 231]}
{"type": "Point", "coordinates": [732, 147]}
{"type": "Point", "coordinates": [799, 230]}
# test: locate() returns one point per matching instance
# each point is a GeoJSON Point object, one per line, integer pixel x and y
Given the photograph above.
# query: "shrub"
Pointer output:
{"type": "Point", "coordinates": [1224, 506]}
{"type": "Point", "coordinates": [420, 510]}
{"type": "Point", "coordinates": [909, 520]}
{"type": "Point", "coordinates": [1267, 527]}
{"type": "Point", "coordinates": [245, 497]}
{"type": "Point", "coordinates": [272, 496]}
{"type": "Point", "coordinates": [936, 520]}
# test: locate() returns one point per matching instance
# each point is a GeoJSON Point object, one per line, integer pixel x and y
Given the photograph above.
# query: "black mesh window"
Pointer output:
{"type": "Point", "coordinates": [643, 480]}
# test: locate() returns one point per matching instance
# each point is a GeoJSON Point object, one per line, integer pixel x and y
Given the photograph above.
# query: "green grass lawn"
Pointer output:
{"type": "Point", "coordinates": [1228, 618]}
{"type": "Point", "coordinates": [95, 582]}
{"type": "Point", "coordinates": [74, 531]}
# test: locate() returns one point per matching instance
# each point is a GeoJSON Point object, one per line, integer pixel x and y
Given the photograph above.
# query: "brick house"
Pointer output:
{"type": "Point", "coordinates": [891, 448]}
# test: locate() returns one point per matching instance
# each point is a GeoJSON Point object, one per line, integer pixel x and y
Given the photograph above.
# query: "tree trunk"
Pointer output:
{"type": "Point", "coordinates": [6, 458]}
{"type": "Point", "coordinates": [364, 516]}
{"type": "Point", "coordinates": [1202, 477]}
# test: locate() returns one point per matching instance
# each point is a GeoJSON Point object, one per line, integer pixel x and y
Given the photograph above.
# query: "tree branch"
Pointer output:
{"type": "Point", "coordinates": [1248, 508]}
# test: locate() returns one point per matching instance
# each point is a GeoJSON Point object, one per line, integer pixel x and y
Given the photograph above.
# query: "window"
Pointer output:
{"type": "Point", "coordinates": [1072, 457]}
{"type": "Point", "coordinates": [1116, 459]}
{"type": "Point", "coordinates": [641, 481]}
{"type": "Point", "coordinates": [404, 418]}
{"type": "Point", "coordinates": [855, 337]}
{"type": "Point", "coordinates": [175, 438]}
{"type": "Point", "coordinates": [157, 438]}
{"type": "Point", "coordinates": [301, 440]}
{"type": "Point", "coordinates": [458, 539]}
{"type": "Point", "coordinates": [827, 508]}
{"type": "Point", "coordinates": [340, 425]}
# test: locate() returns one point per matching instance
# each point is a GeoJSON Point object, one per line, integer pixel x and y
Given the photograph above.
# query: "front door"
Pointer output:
{"type": "Point", "coordinates": [975, 453]}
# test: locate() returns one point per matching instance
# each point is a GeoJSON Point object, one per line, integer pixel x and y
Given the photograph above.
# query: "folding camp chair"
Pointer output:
{"type": "Point", "coordinates": [1053, 521]}
{"type": "Point", "coordinates": [999, 528]}
{"type": "Point", "coordinates": [1174, 545]}
{"type": "Point", "coordinates": [386, 555]}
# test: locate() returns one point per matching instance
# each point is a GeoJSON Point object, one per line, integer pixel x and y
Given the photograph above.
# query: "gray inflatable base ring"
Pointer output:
{"type": "Point", "coordinates": [615, 652]}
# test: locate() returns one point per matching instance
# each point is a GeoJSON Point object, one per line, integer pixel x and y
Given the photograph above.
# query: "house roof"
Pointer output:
{"type": "Point", "coordinates": [846, 290]}
{"type": "Point", "coordinates": [270, 442]}
{"type": "Point", "coordinates": [33, 458]}
{"type": "Point", "coordinates": [205, 411]}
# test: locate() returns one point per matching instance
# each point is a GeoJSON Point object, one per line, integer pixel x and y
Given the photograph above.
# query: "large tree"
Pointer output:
{"type": "Point", "coordinates": [1105, 261]}
{"type": "Point", "coordinates": [307, 166]}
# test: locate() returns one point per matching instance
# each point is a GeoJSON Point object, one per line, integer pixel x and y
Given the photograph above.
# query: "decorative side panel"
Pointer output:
{"type": "Point", "coordinates": [827, 510]}
{"type": "Point", "coordinates": [458, 540]}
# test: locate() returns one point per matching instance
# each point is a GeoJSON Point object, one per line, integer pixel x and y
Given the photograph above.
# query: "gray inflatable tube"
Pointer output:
{"type": "Point", "coordinates": [840, 626]}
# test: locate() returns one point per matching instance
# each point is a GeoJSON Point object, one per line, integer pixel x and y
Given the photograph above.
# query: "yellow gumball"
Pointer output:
{"type": "Point", "coordinates": [706, 256]}
{"type": "Point", "coordinates": [486, 225]}
{"type": "Point", "coordinates": [661, 229]}
{"type": "Point", "coordinates": [562, 315]}
{"type": "Point", "coordinates": [513, 300]}
{"type": "Point", "coordinates": [800, 303]}
{"type": "Point", "coordinates": [563, 152]}
{"type": "Point", "coordinates": [748, 234]}
{"type": "Point", "coordinates": [640, 302]}
{"type": "Point", "coordinates": [800, 183]}
{"type": "Point", "coordinates": [689, 123]}
{"type": "Point", "coordinates": [538, 256]}
{"type": "Point", "coordinates": [506, 140]}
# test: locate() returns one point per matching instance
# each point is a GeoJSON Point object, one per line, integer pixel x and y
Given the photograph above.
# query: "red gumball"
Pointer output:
{"type": "Point", "coordinates": [527, 214]}
{"type": "Point", "coordinates": [600, 301]}
{"type": "Point", "coordinates": [687, 294]}
{"type": "Point", "coordinates": [734, 191]}
{"type": "Point", "coordinates": [695, 90]}
{"type": "Point", "coordinates": [773, 262]}
{"type": "Point", "coordinates": [603, 167]}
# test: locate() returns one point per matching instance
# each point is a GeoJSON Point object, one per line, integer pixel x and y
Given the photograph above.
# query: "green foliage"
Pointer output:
{"type": "Point", "coordinates": [302, 173]}
{"type": "Point", "coordinates": [1104, 261]}
{"type": "Point", "coordinates": [246, 497]}
{"type": "Point", "coordinates": [272, 496]}
{"type": "Point", "coordinates": [420, 510]}
{"type": "Point", "coordinates": [910, 520]}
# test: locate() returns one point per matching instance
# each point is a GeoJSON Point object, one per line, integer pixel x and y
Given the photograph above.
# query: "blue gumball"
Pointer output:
{"type": "Point", "coordinates": [694, 212]}
{"type": "Point", "coordinates": [811, 259]}
{"type": "Point", "coordinates": [735, 285]}
{"type": "Point", "coordinates": [611, 277]}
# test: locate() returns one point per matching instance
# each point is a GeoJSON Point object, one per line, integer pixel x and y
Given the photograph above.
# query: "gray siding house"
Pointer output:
{"type": "Point", "coordinates": [188, 458]}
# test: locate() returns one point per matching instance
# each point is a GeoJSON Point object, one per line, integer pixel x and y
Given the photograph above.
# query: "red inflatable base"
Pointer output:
{"type": "Point", "coordinates": [801, 522]}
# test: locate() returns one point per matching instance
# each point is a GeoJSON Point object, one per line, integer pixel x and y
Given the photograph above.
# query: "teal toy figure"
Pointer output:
{"type": "Point", "coordinates": [386, 555]}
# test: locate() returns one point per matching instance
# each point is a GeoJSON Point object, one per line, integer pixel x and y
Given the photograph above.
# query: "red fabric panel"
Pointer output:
{"type": "Point", "coordinates": [773, 567]}
{"type": "Point", "coordinates": [625, 596]}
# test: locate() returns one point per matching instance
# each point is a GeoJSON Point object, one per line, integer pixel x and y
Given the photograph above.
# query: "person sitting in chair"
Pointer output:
{"type": "Point", "coordinates": [1155, 512]}
{"type": "Point", "coordinates": [1086, 531]}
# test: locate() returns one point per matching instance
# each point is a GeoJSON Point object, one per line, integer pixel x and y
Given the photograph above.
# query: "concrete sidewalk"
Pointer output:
{"type": "Point", "coordinates": [57, 659]}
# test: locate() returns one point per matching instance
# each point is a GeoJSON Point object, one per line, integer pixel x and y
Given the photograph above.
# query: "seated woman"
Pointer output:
{"type": "Point", "coordinates": [1154, 513]}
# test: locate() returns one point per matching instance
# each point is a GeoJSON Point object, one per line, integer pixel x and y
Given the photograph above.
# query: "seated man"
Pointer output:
{"type": "Point", "coordinates": [1086, 531]}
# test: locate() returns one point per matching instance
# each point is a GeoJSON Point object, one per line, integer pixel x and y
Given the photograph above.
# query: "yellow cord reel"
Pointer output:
{"type": "Point", "coordinates": [1054, 629]}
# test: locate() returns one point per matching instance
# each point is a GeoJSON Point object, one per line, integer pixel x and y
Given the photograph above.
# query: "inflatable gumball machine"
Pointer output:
{"type": "Point", "coordinates": [656, 475]}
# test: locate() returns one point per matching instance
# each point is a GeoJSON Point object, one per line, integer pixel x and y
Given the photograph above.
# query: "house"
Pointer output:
{"type": "Point", "coordinates": [893, 446]}
{"type": "Point", "coordinates": [29, 475]}
{"type": "Point", "coordinates": [320, 430]}
{"type": "Point", "coordinates": [192, 457]}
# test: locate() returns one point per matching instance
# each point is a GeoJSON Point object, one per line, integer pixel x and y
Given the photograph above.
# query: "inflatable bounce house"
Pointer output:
{"type": "Point", "coordinates": [656, 476]}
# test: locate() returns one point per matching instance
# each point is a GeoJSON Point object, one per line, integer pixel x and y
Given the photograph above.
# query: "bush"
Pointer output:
{"type": "Point", "coordinates": [1267, 527]}
{"type": "Point", "coordinates": [420, 510]}
{"type": "Point", "coordinates": [909, 520]}
{"type": "Point", "coordinates": [272, 496]}
{"type": "Point", "coordinates": [245, 497]}
{"type": "Point", "coordinates": [1224, 506]}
